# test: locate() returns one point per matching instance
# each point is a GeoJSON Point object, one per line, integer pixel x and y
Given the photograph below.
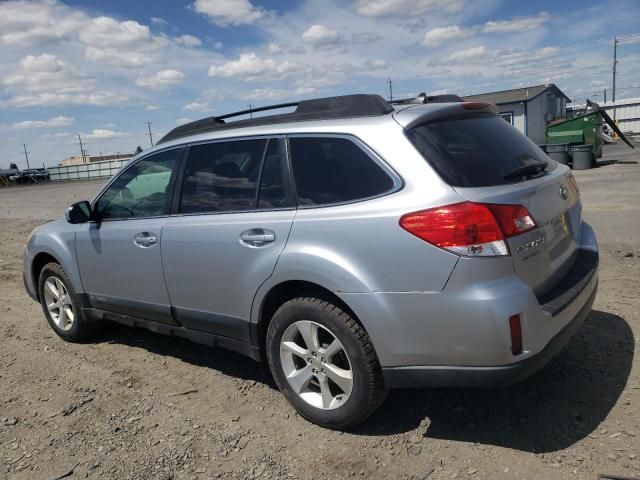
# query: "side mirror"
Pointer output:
{"type": "Point", "coordinates": [79, 212]}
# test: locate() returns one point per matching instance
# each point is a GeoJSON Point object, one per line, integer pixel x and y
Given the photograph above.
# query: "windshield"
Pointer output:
{"type": "Point", "coordinates": [478, 151]}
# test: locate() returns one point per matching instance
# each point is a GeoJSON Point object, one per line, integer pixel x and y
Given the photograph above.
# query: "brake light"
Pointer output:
{"type": "Point", "coordinates": [516, 334]}
{"type": "Point", "coordinates": [475, 105]}
{"type": "Point", "coordinates": [468, 228]}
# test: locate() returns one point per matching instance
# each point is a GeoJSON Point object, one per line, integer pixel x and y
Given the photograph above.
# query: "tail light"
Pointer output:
{"type": "Point", "coordinates": [516, 334]}
{"type": "Point", "coordinates": [468, 228]}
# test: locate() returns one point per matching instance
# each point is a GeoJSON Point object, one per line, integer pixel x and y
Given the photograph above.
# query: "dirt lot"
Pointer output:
{"type": "Point", "coordinates": [131, 404]}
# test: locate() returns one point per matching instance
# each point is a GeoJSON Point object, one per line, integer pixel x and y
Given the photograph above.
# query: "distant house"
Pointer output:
{"type": "Point", "coordinates": [529, 109]}
{"type": "Point", "coordinates": [78, 160]}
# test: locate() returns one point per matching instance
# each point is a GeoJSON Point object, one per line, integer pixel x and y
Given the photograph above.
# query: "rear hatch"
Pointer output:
{"type": "Point", "coordinates": [486, 160]}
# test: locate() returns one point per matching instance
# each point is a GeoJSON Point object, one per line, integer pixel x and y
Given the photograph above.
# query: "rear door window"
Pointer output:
{"type": "Point", "coordinates": [222, 176]}
{"type": "Point", "coordinates": [475, 150]}
{"type": "Point", "coordinates": [330, 170]}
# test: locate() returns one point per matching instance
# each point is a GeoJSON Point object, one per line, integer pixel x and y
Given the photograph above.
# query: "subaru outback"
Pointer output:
{"type": "Point", "coordinates": [352, 244]}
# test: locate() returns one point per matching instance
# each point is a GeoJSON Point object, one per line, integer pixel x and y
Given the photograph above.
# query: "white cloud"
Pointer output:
{"type": "Point", "coordinates": [54, 122]}
{"type": "Point", "coordinates": [197, 107]}
{"type": "Point", "coordinates": [437, 36]}
{"type": "Point", "coordinates": [518, 24]}
{"type": "Point", "coordinates": [46, 99]}
{"type": "Point", "coordinates": [251, 67]}
{"type": "Point", "coordinates": [320, 35]}
{"type": "Point", "coordinates": [229, 12]}
{"type": "Point", "coordinates": [103, 31]}
{"type": "Point", "coordinates": [42, 73]}
{"type": "Point", "coordinates": [405, 8]}
{"type": "Point", "coordinates": [375, 64]}
{"type": "Point", "coordinates": [188, 41]}
{"type": "Point", "coordinates": [472, 53]}
{"type": "Point", "coordinates": [120, 44]}
{"type": "Point", "coordinates": [151, 108]}
{"type": "Point", "coordinates": [26, 23]}
{"type": "Point", "coordinates": [161, 80]}
{"type": "Point", "coordinates": [58, 135]}
{"type": "Point", "coordinates": [118, 58]}
{"type": "Point", "coordinates": [274, 48]}
{"type": "Point", "coordinates": [102, 134]}
{"type": "Point", "coordinates": [182, 121]}
{"type": "Point", "coordinates": [159, 21]}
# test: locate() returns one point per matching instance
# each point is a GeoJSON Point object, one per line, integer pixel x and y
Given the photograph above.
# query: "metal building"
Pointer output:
{"type": "Point", "coordinates": [529, 109]}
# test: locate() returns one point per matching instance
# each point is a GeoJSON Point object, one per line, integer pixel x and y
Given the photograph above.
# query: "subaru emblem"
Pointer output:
{"type": "Point", "coordinates": [564, 193]}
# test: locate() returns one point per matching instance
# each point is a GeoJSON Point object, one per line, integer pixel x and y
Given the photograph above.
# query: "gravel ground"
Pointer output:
{"type": "Point", "coordinates": [134, 405]}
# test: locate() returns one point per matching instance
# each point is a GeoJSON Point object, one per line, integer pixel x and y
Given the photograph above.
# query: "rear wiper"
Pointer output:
{"type": "Point", "coordinates": [525, 170]}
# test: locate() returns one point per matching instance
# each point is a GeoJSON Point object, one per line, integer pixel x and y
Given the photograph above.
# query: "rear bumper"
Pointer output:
{"type": "Point", "coordinates": [423, 377]}
{"type": "Point", "coordinates": [460, 336]}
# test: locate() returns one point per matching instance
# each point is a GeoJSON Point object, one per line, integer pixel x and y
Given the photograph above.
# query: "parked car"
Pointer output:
{"type": "Point", "coordinates": [354, 245]}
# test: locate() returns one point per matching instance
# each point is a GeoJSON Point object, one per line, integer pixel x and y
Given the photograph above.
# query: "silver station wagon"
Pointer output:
{"type": "Point", "coordinates": [353, 244]}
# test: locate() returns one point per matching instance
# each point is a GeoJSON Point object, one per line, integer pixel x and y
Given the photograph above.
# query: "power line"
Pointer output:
{"type": "Point", "coordinates": [150, 135]}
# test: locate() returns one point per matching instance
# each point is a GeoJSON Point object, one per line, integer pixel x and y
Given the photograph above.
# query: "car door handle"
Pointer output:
{"type": "Point", "coordinates": [145, 239]}
{"type": "Point", "coordinates": [257, 237]}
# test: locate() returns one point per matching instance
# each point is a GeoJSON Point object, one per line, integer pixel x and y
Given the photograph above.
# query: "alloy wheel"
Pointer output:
{"type": "Point", "coordinates": [58, 303]}
{"type": "Point", "coordinates": [316, 365]}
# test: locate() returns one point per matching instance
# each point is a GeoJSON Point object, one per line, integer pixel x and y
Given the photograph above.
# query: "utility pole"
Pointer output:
{"type": "Point", "coordinates": [150, 135]}
{"type": "Point", "coordinates": [615, 61]}
{"type": "Point", "coordinates": [605, 95]}
{"type": "Point", "coordinates": [81, 148]}
{"type": "Point", "coordinates": [250, 111]}
{"type": "Point", "coordinates": [26, 155]}
{"type": "Point", "coordinates": [390, 90]}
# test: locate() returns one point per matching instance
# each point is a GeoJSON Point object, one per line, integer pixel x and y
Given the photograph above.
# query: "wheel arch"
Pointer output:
{"type": "Point", "coordinates": [282, 292]}
{"type": "Point", "coordinates": [38, 263]}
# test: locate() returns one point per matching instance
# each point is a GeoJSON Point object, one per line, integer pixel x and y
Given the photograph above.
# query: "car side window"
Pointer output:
{"type": "Point", "coordinates": [329, 170]}
{"type": "Point", "coordinates": [141, 190]}
{"type": "Point", "coordinates": [275, 187]}
{"type": "Point", "coordinates": [222, 176]}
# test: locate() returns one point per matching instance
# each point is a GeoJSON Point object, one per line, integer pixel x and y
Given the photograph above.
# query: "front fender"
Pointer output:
{"type": "Point", "coordinates": [57, 239]}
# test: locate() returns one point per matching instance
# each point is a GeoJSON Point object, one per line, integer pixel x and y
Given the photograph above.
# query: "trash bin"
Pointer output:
{"type": "Point", "coordinates": [559, 153]}
{"type": "Point", "coordinates": [582, 156]}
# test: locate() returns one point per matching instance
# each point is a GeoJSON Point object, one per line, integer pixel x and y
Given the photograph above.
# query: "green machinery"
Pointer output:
{"type": "Point", "coordinates": [585, 129]}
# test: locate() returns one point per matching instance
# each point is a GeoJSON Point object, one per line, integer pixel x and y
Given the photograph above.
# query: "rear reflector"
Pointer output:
{"type": "Point", "coordinates": [468, 228]}
{"type": "Point", "coordinates": [516, 334]}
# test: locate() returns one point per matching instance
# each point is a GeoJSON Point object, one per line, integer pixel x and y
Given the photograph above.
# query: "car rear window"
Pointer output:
{"type": "Point", "coordinates": [475, 150]}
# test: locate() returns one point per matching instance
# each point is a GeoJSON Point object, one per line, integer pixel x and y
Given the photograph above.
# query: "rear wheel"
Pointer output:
{"type": "Point", "coordinates": [61, 309]}
{"type": "Point", "coordinates": [323, 362]}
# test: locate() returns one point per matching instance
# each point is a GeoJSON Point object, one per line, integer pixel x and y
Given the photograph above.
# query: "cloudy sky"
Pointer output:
{"type": "Point", "coordinates": [103, 69]}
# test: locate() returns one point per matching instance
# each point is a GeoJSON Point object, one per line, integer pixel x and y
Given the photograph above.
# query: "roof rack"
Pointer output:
{"type": "Point", "coordinates": [422, 98]}
{"type": "Point", "coordinates": [345, 106]}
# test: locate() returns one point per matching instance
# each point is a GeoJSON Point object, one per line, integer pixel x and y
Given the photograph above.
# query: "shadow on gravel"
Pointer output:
{"type": "Point", "coordinates": [225, 361]}
{"type": "Point", "coordinates": [550, 411]}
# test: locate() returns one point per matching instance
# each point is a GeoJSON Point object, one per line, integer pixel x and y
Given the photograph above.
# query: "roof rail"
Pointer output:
{"type": "Point", "coordinates": [422, 98]}
{"type": "Point", "coordinates": [345, 106]}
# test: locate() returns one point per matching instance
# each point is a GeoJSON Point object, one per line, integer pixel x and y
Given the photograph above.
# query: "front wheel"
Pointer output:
{"type": "Point", "coordinates": [62, 311]}
{"type": "Point", "coordinates": [324, 363]}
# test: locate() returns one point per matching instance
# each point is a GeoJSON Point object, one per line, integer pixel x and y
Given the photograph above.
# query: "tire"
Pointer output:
{"type": "Point", "coordinates": [73, 330]}
{"type": "Point", "coordinates": [346, 404]}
